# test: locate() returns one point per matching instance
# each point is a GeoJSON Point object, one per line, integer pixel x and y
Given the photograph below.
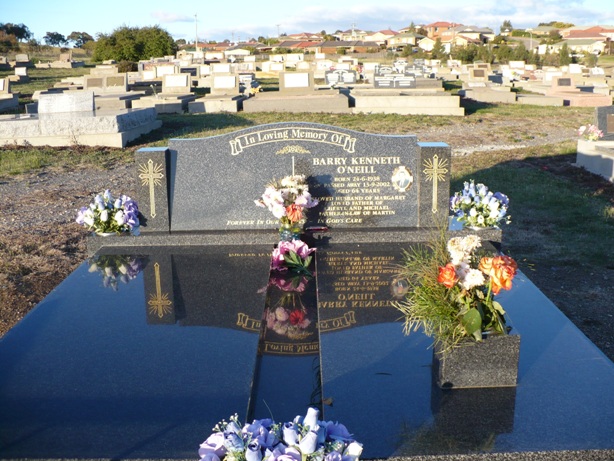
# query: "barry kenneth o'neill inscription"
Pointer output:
{"type": "Point", "coordinates": [361, 180]}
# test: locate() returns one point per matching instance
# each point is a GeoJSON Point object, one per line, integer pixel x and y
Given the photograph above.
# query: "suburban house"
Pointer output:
{"type": "Point", "coordinates": [436, 29]}
{"type": "Point", "coordinates": [400, 41]}
{"type": "Point", "coordinates": [304, 37]}
{"type": "Point", "coordinates": [352, 35]}
{"type": "Point", "coordinates": [343, 46]}
{"type": "Point", "coordinates": [576, 46]}
{"type": "Point", "coordinates": [426, 44]}
{"type": "Point", "coordinates": [382, 37]}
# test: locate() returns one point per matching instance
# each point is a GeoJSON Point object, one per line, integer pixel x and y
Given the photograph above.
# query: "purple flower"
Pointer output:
{"type": "Point", "coordinates": [81, 215]}
{"type": "Point", "coordinates": [233, 442]}
{"type": "Point", "coordinates": [505, 201]}
{"type": "Point", "coordinates": [214, 444]}
{"type": "Point", "coordinates": [337, 431]}
{"type": "Point", "coordinates": [333, 456]}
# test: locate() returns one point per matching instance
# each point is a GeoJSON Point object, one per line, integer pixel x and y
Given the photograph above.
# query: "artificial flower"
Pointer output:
{"type": "Point", "coordinates": [476, 206]}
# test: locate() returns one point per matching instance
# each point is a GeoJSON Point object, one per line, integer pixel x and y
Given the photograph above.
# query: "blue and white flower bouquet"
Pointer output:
{"type": "Point", "coordinates": [109, 215]}
{"type": "Point", "coordinates": [476, 206]}
{"type": "Point", "coordinates": [303, 439]}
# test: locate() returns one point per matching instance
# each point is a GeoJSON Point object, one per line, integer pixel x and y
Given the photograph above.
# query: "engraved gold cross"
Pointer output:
{"type": "Point", "coordinates": [151, 175]}
{"type": "Point", "coordinates": [435, 171]}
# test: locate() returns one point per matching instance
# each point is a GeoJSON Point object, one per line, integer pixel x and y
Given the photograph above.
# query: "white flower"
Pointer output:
{"type": "Point", "coordinates": [88, 217]}
{"type": "Point", "coordinates": [353, 450]}
{"type": "Point", "coordinates": [119, 218]}
{"type": "Point", "coordinates": [472, 278]}
{"type": "Point", "coordinates": [104, 215]}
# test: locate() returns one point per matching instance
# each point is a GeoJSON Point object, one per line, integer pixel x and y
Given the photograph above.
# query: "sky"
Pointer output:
{"type": "Point", "coordinates": [240, 20]}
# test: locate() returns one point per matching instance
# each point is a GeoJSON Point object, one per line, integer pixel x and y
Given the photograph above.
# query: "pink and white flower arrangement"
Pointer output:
{"type": "Point", "coordinates": [590, 132]}
{"type": "Point", "coordinates": [287, 200]}
{"type": "Point", "coordinates": [294, 255]}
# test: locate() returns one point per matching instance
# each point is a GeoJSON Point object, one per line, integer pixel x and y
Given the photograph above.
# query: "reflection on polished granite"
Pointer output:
{"type": "Point", "coordinates": [144, 371]}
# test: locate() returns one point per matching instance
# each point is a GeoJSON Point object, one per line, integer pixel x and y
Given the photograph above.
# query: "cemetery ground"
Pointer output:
{"type": "Point", "coordinates": [562, 232]}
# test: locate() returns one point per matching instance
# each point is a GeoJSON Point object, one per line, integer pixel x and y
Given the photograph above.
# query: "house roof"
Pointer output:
{"type": "Point", "coordinates": [440, 24]}
{"type": "Point", "coordinates": [346, 43]}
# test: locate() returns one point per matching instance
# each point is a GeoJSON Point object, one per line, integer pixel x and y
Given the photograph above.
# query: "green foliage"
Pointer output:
{"type": "Point", "coordinates": [79, 38]}
{"type": "Point", "coordinates": [438, 52]}
{"type": "Point", "coordinates": [506, 27]}
{"type": "Point", "coordinates": [590, 60]}
{"type": "Point", "coordinates": [127, 66]}
{"type": "Point", "coordinates": [466, 54]}
{"type": "Point", "coordinates": [564, 55]}
{"type": "Point", "coordinates": [557, 24]}
{"type": "Point", "coordinates": [54, 39]}
{"type": "Point", "coordinates": [134, 44]}
{"type": "Point", "coordinates": [8, 42]}
{"type": "Point", "coordinates": [19, 31]}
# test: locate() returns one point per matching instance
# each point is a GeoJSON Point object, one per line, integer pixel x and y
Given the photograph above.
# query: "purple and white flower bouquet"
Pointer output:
{"type": "Point", "coordinates": [476, 206]}
{"type": "Point", "coordinates": [303, 439]}
{"type": "Point", "coordinates": [110, 215]}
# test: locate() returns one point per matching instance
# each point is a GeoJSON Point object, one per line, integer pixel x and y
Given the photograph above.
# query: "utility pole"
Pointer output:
{"type": "Point", "coordinates": [196, 31]}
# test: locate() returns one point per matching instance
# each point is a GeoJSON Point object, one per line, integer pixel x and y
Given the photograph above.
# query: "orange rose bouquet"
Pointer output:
{"type": "Point", "coordinates": [451, 290]}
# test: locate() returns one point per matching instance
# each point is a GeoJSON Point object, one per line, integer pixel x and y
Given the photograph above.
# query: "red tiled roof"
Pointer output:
{"type": "Point", "coordinates": [439, 24]}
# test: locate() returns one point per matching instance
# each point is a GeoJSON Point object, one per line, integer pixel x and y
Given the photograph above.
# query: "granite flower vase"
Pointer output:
{"type": "Point", "coordinates": [493, 362]}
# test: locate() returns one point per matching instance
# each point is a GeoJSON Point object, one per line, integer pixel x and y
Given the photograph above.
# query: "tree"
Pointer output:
{"type": "Point", "coordinates": [79, 38]}
{"type": "Point", "coordinates": [19, 31]}
{"type": "Point", "coordinates": [557, 24]}
{"type": "Point", "coordinates": [8, 42]}
{"type": "Point", "coordinates": [564, 55]}
{"type": "Point", "coordinates": [133, 44]}
{"type": "Point", "coordinates": [519, 53]}
{"type": "Point", "coordinates": [181, 42]}
{"type": "Point", "coordinates": [438, 51]}
{"type": "Point", "coordinates": [55, 39]}
{"type": "Point", "coordinates": [506, 26]}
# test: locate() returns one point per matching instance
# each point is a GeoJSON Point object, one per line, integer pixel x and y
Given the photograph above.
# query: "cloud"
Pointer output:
{"type": "Point", "coordinates": [164, 17]}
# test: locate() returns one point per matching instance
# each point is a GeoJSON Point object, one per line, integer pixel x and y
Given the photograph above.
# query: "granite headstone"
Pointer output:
{"type": "Point", "coordinates": [361, 180]}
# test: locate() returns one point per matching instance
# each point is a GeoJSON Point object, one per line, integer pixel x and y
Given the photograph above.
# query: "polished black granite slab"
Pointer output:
{"type": "Point", "coordinates": [98, 371]}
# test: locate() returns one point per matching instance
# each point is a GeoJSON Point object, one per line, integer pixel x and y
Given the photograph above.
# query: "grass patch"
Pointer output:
{"type": "Point", "coordinates": [15, 160]}
{"type": "Point", "coordinates": [579, 224]}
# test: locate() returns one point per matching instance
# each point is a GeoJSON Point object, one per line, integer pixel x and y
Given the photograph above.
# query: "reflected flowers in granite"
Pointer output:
{"type": "Point", "coordinates": [107, 214]}
{"type": "Point", "coordinates": [115, 269]}
{"type": "Point", "coordinates": [303, 439]}
{"type": "Point", "coordinates": [476, 206]}
{"type": "Point", "coordinates": [288, 317]}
